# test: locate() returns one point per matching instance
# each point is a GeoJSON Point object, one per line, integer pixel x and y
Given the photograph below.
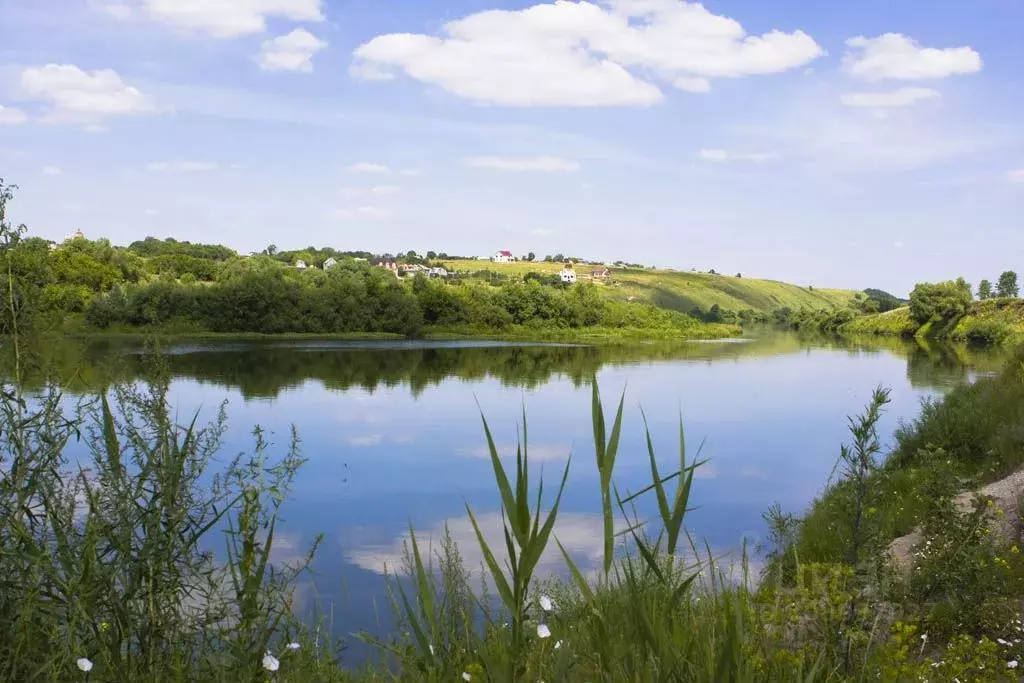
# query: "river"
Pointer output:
{"type": "Point", "coordinates": [393, 434]}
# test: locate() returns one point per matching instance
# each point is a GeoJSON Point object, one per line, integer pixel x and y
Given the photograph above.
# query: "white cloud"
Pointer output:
{"type": "Point", "coordinates": [362, 213]}
{"type": "Point", "coordinates": [151, 212]}
{"type": "Point", "coordinates": [721, 156]}
{"type": "Point", "coordinates": [293, 52]}
{"type": "Point", "coordinates": [537, 164]}
{"type": "Point", "coordinates": [583, 54]}
{"type": "Point", "coordinates": [10, 116]}
{"type": "Point", "coordinates": [410, 172]}
{"type": "Point", "coordinates": [898, 57]}
{"type": "Point", "coordinates": [364, 167]}
{"type": "Point", "coordinates": [376, 190]}
{"type": "Point", "coordinates": [52, 170]}
{"type": "Point", "coordinates": [220, 18]}
{"type": "Point", "coordinates": [904, 97]}
{"type": "Point", "coordinates": [183, 166]}
{"type": "Point", "coordinates": [76, 94]}
{"type": "Point", "coordinates": [898, 244]}
{"type": "Point", "coordinates": [1015, 176]}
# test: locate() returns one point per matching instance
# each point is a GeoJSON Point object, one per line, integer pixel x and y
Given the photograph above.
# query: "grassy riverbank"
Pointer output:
{"type": "Point", "coordinates": [993, 321]}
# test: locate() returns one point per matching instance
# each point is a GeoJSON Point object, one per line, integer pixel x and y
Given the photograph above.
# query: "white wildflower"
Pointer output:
{"type": "Point", "coordinates": [1001, 641]}
{"type": "Point", "coordinates": [558, 645]}
{"type": "Point", "coordinates": [84, 665]}
{"type": "Point", "coordinates": [466, 676]}
{"type": "Point", "coordinates": [543, 631]}
{"type": "Point", "coordinates": [431, 650]}
{"type": "Point", "coordinates": [1012, 664]}
{"type": "Point", "coordinates": [293, 646]}
{"type": "Point", "coordinates": [546, 604]}
{"type": "Point", "coordinates": [270, 662]}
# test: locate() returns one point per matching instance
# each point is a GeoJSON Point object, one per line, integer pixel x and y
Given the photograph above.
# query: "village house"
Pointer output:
{"type": "Point", "coordinates": [300, 264]}
{"type": "Point", "coordinates": [568, 275]}
{"type": "Point", "coordinates": [600, 274]}
{"type": "Point", "coordinates": [388, 265]}
{"type": "Point", "coordinates": [437, 272]}
{"type": "Point", "coordinates": [503, 256]}
{"type": "Point", "coordinates": [330, 263]}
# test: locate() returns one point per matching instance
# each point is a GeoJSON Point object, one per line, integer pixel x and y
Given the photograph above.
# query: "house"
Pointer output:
{"type": "Point", "coordinates": [76, 235]}
{"type": "Point", "coordinates": [330, 263]}
{"type": "Point", "coordinates": [568, 275]}
{"type": "Point", "coordinates": [300, 264]}
{"type": "Point", "coordinates": [503, 256]}
{"type": "Point", "coordinates": [437, 272]}
{"type": "Point", "coordinates": [412, 269]}
{"type": "Point", "coordinates": [600, 274]}
{"type": "Point", "coordinates": [389, 265]}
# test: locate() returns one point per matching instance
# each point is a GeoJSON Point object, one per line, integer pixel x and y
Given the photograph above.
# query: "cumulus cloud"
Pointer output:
{"type": "Point", "coordinates": [904, 97]}
{"type": "Point", "coordinates": [9, 116]}
{"type": "Point", "coordinates": [410, 172]}
{"type": "Point", "coordinates": [76, 94]}
{"type": "Point", "coordinates": [581, 54]}
{"type": "Point", "coordinates": [1016, 176]}
{"type": "Point", "coordinates": [362, 213]}
{"type": "Point", "coordinates": [52, 170]}
{"type": "Point", "coordinates": [364, 167]}
{"type": "Point", "coordinates": [535, 164]}
{"type": "Point", "coordinates": [722, 156]}
{"type": "Point", "coordinates": [219, 18]}
{"type": "Point", "coordinates": [897, 57]}
{"type": "Point", "coordinates": [292, 52]}
{"type": "Point", "coordinates": [182, 166]}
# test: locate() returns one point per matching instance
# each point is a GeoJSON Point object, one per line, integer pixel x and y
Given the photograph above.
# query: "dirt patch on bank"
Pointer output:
{"type": "Point", "coordinates": [1005, 495]}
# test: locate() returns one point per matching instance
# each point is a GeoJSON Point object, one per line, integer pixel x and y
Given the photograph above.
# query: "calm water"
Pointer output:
{"type": "Point", "coordinates": [393, 435]}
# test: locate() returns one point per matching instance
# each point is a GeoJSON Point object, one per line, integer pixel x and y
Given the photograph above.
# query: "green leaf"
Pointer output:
{"type": "Point", "coordinates": [499, 577]}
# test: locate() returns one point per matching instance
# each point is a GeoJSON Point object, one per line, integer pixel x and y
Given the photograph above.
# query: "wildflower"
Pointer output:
{"type": "Point", "coordinates": [543, 631]}
{"type": "Point", "coordinates": [104, 627]}
{"type": "Point", "coordinates": [84, 665]}
{"type": "Point", "coordinates": [1001, 641]}
{"type": "Point", "coordinates": [546, 604]}
{"type": "Point", "coordinates": [466, 676]}
{"type": "Point", "coordinates": [431, 650]}
{"type": "Point", "coordinates": [558, 645]}
{"type": "Point", "coordinates": [270, 662]}
{"type": "Point", "coordinates": [293, 646]}
{"type": "Point", "coordinates": [1012, 664]}
{"type": "Point", "coordinates": [924, 637]}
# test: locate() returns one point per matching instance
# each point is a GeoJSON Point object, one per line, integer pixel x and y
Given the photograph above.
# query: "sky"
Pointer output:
{"type": "Point", "coordinates": [866, 144]}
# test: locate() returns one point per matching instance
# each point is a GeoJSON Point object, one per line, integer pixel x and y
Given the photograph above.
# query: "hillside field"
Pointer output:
{"type": "Point", "coordinates": [684, 291]}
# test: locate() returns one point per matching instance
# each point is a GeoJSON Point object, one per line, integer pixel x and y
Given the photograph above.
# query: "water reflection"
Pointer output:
{"type": "Point", "coordinates": [393, 432]}
{"type": "Point", "coordinates": [266, 369]}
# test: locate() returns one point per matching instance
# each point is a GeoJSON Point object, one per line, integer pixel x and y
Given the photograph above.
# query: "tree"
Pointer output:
{"type": "Point", "coordinates": [739, 275]}
{"type": "Point", "coordinates": [985, 290]}
{"type": "Point", "coordinates": [431, 255]}
{"type": "Point", "coordinates": [531, 256]}
{"type": "Point", "coordinates": [1008, 285]}
{"type": "Point", "coordinates": [270, 250]}
{"type": "Point", "coordinates": [944, 302]}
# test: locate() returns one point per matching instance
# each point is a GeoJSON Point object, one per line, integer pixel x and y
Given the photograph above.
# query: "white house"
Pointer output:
{"type": "Point", "coordinates": [568, 275]}
{"type": "Point", "coordinates": [437, 272]}
{"type": "Point", "coordinates": [503, 256]}
{"type": "Point", "coordinates": [330, 263]}
{"type": "Point", "coordinates": [300, 264]}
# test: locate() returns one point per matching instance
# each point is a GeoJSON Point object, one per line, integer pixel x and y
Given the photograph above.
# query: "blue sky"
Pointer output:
{"type": "Point", "coordinates": [834, 144]}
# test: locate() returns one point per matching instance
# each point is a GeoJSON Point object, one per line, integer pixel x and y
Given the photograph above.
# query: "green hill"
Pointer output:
{"type": "Point", "coordinates": [994, 321]}
{"type": "Point", "coordinates": [685, 291]}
